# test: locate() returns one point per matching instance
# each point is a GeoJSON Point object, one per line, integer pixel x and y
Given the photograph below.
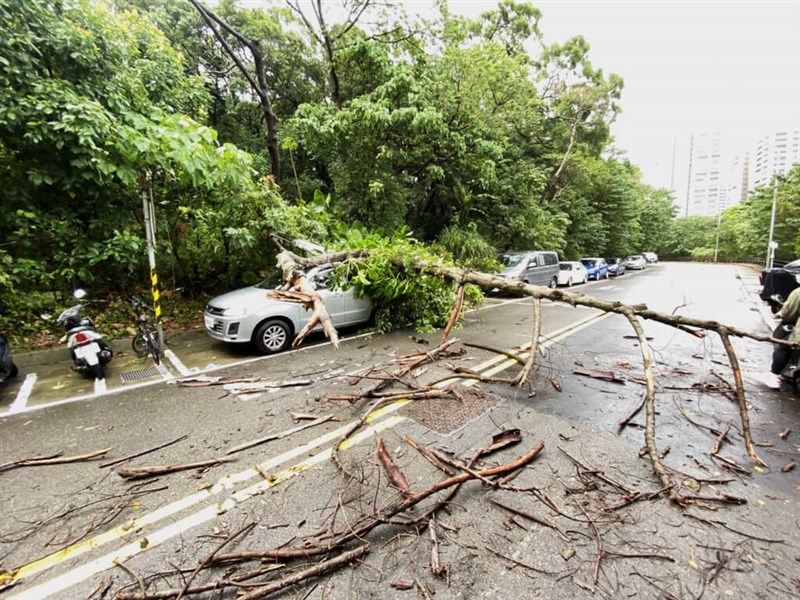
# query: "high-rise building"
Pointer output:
{"type": "Point", "coordinates": [710, 174]}
{"type": "Point", "coordinates": [707, 183]}
{"type": "Point", "coordinates": [774, 154]}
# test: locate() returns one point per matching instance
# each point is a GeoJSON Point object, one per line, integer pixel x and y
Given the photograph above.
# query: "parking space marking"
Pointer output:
{"type": "Point", "coordinates": [176, 362]}
{"type": "Point", "coordinates": [24, 393]}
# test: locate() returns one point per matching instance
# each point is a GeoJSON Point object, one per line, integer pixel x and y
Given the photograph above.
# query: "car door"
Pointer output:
{"type": "Point", "coordinates": [357, 310]}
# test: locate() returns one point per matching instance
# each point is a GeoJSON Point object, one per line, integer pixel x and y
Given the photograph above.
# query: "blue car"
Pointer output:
{"type": "Point", "coordinates": [597, 268]}
{"type": "Point", "coordinates": [616, 267]}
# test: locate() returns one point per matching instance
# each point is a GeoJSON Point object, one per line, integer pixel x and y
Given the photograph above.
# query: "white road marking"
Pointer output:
{"type": "Point", "coordinates": [203, 515]}
{"type": "Point", "coordinates": [100, 386]}
{"type": "Point", "coordinates": [24, 393]}
{"type": "Point", "coordinates": [176, 362]}
{"type": "Point", "coordinates": [80, 573]}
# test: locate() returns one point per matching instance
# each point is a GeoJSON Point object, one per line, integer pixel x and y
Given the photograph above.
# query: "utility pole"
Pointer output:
{"type": "Point", "coordinates": [150, 232]}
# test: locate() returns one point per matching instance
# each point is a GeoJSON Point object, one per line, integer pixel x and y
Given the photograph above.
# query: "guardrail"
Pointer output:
{"type": "Point", "coordinates": [737, 260]}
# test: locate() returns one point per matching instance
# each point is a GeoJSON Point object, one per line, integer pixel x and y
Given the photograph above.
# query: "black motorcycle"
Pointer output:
{"type": "Point", "coordinates": [785, 360]}
{"type": "Point", "coordinates": [7, 367]}
{"type": "Point", "coordinates": [89, 351]}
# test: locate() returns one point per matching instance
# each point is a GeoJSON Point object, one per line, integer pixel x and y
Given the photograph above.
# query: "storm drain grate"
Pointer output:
{"type": "Point", "coordinates": [445, 415]}
{"type": "Point", "coordinates": [140, 374]}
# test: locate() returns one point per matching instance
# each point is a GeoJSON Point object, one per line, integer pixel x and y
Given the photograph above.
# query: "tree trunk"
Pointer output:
{"type": "Point", "coordinates": [258, 84]}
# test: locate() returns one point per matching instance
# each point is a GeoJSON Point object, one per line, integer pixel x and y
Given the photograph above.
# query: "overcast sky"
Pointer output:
{"type": "Point", "coordinates": [688, 67]}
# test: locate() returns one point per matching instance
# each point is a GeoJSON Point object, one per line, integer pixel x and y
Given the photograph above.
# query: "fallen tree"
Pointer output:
{"type": "Point", "coordinates": [292, 265]}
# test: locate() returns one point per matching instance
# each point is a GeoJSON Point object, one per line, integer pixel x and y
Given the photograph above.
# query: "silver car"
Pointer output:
{"type": "Point", "coordinates": [636, 261]}
{"type": "Point", "coordinates": [247, 315]}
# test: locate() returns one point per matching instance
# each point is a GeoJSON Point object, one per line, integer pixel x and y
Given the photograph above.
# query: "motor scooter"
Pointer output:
{"type": "Point", "coordinates": [785, 360]}
{"type": "Point", "coordinates": [7, 367]}
{"type": "Point", "coordinates": [89, 351]}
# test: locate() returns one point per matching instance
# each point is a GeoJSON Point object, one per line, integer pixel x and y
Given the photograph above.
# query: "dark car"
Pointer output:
{"type": "Point", "coordinates": [7, 367]}
{"type": "Point", "coordinates": [616, 266]}
{"type": "Point", "coordinates": [779, 281]}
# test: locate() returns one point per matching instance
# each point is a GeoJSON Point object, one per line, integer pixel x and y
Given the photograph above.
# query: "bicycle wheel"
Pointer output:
{"type": "Point", "coordinates": [140, 345]}
{"type": "Point", "coordinates": [153, 347]}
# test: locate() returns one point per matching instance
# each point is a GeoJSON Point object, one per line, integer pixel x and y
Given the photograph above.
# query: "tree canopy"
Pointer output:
{"type": "Point", "coordinates": [470, 135]}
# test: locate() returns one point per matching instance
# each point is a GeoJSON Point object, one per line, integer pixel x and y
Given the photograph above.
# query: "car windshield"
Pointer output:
{"type": "Point", "coordinates": [565, 266]}
{"type": "Point", "coordinates": [270, 283]}
{"type": "Point", "coordinates": [587, 262]}
{"type": "Point", "coordinates": [511, 260]}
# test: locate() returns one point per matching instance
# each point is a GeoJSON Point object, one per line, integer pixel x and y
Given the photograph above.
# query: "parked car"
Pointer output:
{"type": "Point", "coordinates": [246, 315]}
{"type": "Point", "coordinates": [616, 266]}
{"type": "Point", "coordinates": [779, 281]}
{"type": "Point", "coordinates": [650, 257]}
{"type": "Point", "coordinates": [539, 267]}
{"type": "Point", "coordinates": [597, 268]}
{"type": "Point", "coordinates": [571, 272]}
{"type": "Point", "coordinates": [636, 261]}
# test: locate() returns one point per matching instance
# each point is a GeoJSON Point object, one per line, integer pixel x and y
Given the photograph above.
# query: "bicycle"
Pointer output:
{"type": "Point", "coordinates": [146, 340]}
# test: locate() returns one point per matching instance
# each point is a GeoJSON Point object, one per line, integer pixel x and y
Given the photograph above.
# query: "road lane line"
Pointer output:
{"type": "Point", "coordinates": [229, 481]}
{"type": "Point", "coordinates": [82, 572]}
{"type": "Point", "coordinates": [552, 339]}
{"type": "Point", "coordinates": [225, 483]}
{"type": "Point", "coordinates": [24, 393]}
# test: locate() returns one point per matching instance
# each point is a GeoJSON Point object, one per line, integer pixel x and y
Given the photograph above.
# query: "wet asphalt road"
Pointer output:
{"type": "Point", "coordinates": [66, 526]}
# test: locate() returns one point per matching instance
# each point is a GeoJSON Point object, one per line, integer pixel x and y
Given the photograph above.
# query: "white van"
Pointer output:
{"type": "Point", "coordinates": [537, 267]}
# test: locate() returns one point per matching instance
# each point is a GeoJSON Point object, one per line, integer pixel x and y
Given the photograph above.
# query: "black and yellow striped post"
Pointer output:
{"type": "Point", "coordinates": [150, 232]}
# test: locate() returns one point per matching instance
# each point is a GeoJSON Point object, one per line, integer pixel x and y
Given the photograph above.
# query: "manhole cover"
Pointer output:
{"type": "Point", "coordinates": [445, 415]}
{"type": "Point", "coordinates": [156, 371]}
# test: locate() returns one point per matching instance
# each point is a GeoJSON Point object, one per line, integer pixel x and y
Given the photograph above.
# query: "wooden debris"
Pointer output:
{"type": "Point", "coordinates": [395, 475]}
{"type": "Point", "coordinates": [53, 459]}
{"type": "Point", "coordinates": [142, 472]}
{"type": "Point", "coordinates": [282, 434]}
{"type": "Point", "coordinates": [604, 375]}
{"type": "Point", "coordinates": [143, 452]}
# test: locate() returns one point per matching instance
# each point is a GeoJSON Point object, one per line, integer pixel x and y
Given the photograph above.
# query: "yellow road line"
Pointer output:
{"type": "Point", "coordinates": [494, 365]}
{"type": "Point", "coordinates": [137, 546]}
{"type": "Point", "coordinates": [223, 484]}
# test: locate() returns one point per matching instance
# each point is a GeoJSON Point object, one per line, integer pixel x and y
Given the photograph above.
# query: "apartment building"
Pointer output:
{"type": "Point", "coordinates": [774, 154]}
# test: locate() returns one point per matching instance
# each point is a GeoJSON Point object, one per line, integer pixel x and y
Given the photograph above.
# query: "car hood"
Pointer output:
{"type": "Point", "coordinates": [248, 297]}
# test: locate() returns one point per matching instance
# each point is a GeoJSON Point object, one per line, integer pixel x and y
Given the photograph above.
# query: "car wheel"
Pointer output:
{"type": "Point", "coordinates": [553, 283]}
{"type": "Point", "coordinates": [272, 336]}
{"type": "Point", "coordinates": [607, 275]}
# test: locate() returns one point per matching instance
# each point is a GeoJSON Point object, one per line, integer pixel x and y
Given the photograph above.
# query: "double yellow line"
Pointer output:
{"type": "Point", "coordinates": [378, 421]}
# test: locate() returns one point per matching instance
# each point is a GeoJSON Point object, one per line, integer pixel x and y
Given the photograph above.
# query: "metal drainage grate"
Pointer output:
{"type": "Point", "coordinates": [147, 373]}
{"type": "Point", "coordinates": [445, 415]}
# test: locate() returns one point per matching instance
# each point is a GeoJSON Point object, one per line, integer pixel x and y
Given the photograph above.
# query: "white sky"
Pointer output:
{"type": "Point", "coordinates": [688, 67]}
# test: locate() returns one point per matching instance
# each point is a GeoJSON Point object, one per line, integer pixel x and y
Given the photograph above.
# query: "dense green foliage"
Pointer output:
{"type": "Point", "coordinates": [471, 136]}
{"type": "Point", "coordinates": [743, 229]}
